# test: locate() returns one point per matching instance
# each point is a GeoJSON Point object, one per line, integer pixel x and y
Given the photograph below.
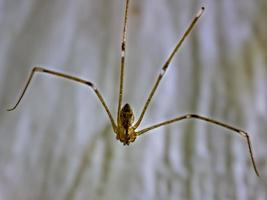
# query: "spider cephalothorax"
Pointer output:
{"type": "Point", "coordinates": [125, 130]}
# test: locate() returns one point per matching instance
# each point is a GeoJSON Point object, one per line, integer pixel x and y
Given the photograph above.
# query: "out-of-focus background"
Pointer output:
{"type": "Point", "coordinates": [58, 144]}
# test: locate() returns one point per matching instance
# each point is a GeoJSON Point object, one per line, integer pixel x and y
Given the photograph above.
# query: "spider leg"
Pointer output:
{"type": "Point", "coordinates": [212, 121]}
{"type": "Point", "coordinates": [69, 77]}
{"type": "Point", "coordinates": [122, 63]}
{"type": "Point", "coordinates": [166, 65]}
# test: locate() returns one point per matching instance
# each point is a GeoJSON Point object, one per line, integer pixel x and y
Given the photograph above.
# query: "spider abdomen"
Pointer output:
{"type": "Point", "coordinates": [126, 116]}
{"type": "Point", "coordinates": [125, 132]}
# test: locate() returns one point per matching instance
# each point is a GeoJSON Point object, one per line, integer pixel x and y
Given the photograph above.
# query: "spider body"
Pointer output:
{"type": "Point", "coordinates": [125, 130]}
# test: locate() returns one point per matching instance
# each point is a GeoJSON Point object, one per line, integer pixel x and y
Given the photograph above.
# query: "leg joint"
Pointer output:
{"type": "Point", "coordinates": [37, 69]}
{"type": "Point", "coordinates": [188, 116]}
{"type": "Point", "coordinates": [90, 85]}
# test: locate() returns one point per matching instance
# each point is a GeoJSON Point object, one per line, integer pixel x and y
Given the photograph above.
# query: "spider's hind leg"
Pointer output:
{"type": "Point", "coordinates": [122, 61]}
{"type": "Point", "coordinates": [167, 63]}
{"type": "Point", "coordinates": [68, 77]}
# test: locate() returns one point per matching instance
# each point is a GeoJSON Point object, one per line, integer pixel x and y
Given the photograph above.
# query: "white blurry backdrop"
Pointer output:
{"type": "Point", "coordinates": [58, 144]}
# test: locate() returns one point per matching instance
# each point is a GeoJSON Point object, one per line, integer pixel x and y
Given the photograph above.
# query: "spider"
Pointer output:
{"type": "Point", "coordinates": [125, 128]}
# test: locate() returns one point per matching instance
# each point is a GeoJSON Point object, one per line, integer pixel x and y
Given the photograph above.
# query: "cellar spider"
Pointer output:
{"type": "Point", "coordinates": [125, 128]}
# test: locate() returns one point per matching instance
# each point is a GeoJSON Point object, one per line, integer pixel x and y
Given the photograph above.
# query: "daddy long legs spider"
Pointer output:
{"type": "Point", "coordinates": [124, 127]}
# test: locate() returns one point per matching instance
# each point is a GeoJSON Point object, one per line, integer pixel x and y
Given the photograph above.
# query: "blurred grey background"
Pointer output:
{"type": "Point", "coordinates": [58, 144]}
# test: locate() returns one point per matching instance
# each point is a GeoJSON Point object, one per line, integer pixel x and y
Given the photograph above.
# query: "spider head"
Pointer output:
{"type": "Point", "coordinates": [126, 133]}
{"type": "Point", "coordinates": [126, 136]}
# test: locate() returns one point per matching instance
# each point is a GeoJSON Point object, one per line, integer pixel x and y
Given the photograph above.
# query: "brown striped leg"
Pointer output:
{"type": "Point", "coordinates": [166, 65]}
{"type": "Point", "coordinates": [69, 77]}
{"type": "Point", "coordinates": [123, 47]}
{"type": "Point", "coordinates": [212, 121]}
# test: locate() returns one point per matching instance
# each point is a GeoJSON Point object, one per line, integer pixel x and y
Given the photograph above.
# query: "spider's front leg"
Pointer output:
{"type": "Point", "coordinates": [242, 133]}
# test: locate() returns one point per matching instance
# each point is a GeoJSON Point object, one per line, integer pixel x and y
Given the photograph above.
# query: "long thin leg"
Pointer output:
{"type": "Point", "coordinates": [76, 79]}
{"type": "Point", "coordinates": [123, 47]}
{"type": "Point", "coordinates": [198, 117]}
{"type": "Point", "coordinates": [166, 65]}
